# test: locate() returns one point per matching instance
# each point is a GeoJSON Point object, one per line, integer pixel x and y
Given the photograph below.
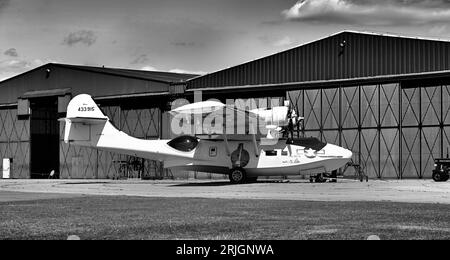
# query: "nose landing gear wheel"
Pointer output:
{"type": "Point", "coordinates": [237, 176]}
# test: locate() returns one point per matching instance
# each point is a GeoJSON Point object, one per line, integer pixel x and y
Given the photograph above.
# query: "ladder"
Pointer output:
{"type": "Point", "coordinates": [360, 175]}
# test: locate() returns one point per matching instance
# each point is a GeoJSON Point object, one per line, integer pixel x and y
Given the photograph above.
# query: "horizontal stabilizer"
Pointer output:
{"type": "Point", "coordinates": [85, 120]}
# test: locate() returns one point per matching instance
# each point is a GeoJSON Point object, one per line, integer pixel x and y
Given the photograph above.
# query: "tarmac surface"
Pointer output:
{"type": "Point", "coordinates": [411, 191]}
{"type": "Point", "coordinates": [8, 196]}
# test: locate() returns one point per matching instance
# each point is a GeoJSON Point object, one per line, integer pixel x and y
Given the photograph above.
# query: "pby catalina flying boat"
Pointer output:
{"type": "Point", "coordinates": [242, 157]}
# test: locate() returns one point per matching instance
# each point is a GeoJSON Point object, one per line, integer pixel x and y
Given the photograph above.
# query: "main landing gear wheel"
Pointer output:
{"type": "Point", "coordinates": [237, 176]}
{"type": "Point", "coordinates": [320, 179]}
{"type": "Point", "coordinates": [334, 176]}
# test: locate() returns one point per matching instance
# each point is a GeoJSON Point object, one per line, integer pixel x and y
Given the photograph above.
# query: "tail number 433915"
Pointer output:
{"type": "Point", "coordinates": [86, 109]}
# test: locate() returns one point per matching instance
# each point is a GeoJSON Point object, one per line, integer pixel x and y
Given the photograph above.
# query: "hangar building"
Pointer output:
{"type": "Point", "coordinates": [385, 97]}
{"type": "Point", "coordinates": [32, 103]}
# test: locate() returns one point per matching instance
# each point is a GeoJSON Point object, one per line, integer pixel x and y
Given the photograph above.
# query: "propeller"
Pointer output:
{"type": "Point", "coordinates": [294, 114]}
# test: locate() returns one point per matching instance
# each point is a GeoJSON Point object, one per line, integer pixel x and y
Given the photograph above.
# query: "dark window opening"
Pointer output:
{"type": "Point", "coordinates": [212, 151]}
{"type": "Point", "coordinates": [271, 153]}
{"type": "Point", "coordinates": [308, 143]}
{"type": "Point", "coordinates": [184, 143]}
{"type": "Point", "coordinates": [284, 153]}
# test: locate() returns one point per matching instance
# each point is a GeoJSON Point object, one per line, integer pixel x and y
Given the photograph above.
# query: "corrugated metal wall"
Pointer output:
{"type": "Point", "coordinates": [362, 55]}
{"type": "Point", "coordinates": [393, 132]}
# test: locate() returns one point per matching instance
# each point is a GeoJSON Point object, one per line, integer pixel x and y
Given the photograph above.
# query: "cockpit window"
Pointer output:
{"type": "Point", "coordinates": [184, 143]}
{"type": "Point", "coordinates": [308, 143]}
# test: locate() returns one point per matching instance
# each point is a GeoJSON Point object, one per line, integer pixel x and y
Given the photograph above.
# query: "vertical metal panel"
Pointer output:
{"type": "Point", "coordinates": [350, 107]}
{"type": "Point", "coordinates": [431, 149]}
{"type": "Point", "coordinates": [350, 140]}
{"type": "Point", "coordinates": [446, 104]}
{"type": "Point", "coordinates": [330, 108]}
{"type": "Point", "coordinates": [369, 152]}
{"type": "Point", "coordinates": [328, 56]}
{"type": "Point", "coordinates": [23, 107]}
{"type": "Point", "coordinates": [411, 107]}
{"type": "Point", "coordinates": [315, 134]}
{"type": "Point", "coordinates": [369, 106]}
{"type": "Point", "coordinates": [312, 109]}
{"type": "Point", "coordinates": [389, 105]}
{"type": "Point", "coordinates": [431, 105]}
{"type": "Point", "coordinates": [63, 102]}
{"type": "Point", "coordinates": [389, 153]}
{"type": "Point", "coordinates": [446, 140]}
{"type": "Point", "coordinates": [303, 63]}
{"type": "Point", "coordinates": [411, 153]}
{"type": "Point", "coordinates": [331, 137]}
{"type": "Point", "coordinates": [350, 56]}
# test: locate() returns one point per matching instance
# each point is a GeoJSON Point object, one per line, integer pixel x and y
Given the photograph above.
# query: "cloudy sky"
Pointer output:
{"type": "Point", "coordinates": [193, 36]}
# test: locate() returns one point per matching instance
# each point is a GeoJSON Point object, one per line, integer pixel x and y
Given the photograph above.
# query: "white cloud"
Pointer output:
{"type": "Point", "coordinates": [12, 67]}
{"type": "Point", "coordinates": [438, 29]}
{"type": "Point", "coordinates": [286, 41]}
{"type": "Point", "coordinates": [371, 12]}
{"type": "Point", "coordinates": [274, 41]}
{"type": "Point", "coordinates": [182, 71]}
{"type": "Point", "coordinates": [149, 68]}
{"type": "Point", "coordinates": [176, 70]}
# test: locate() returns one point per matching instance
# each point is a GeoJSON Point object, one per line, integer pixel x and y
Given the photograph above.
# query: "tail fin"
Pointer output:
{"type": "Point", "coordinates": [83, 106]}
{"type": "Point", "coordinates": [85, 122]}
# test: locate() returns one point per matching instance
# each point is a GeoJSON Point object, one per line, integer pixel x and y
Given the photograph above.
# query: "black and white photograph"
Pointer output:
{"type": "Point", "coordinates": [223, 127]}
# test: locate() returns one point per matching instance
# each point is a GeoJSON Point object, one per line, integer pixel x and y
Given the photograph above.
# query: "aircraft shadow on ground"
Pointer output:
{"type": "Point", "coordinates": [225, 183]}
{"type": "Point", "coordinates": [203, 184]}
{"type": "Point", "coordinates": [84, 183]}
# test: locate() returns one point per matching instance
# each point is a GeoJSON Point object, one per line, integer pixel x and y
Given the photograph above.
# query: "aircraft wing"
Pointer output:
{"type": "Point", "coordinates": [200, 108]}
{"type": "Point", "coordinates": [256, 121]}
{"type": "Point", "coordinates": [231, 119]}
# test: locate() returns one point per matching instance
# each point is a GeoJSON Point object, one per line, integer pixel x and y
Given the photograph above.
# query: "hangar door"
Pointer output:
{"type": "Point", "coordinates": [44, 132]}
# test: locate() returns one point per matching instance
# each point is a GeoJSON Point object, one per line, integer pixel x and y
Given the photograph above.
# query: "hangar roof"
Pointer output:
{"type": "Point", "coordinates": [100, 82]}
{"type": "Point", "coordinates": [160, 76]}
{"type": "Point", "coordinates": [341, 56]}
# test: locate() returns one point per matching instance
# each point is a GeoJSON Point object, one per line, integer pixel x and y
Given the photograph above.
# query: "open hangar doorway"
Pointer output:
{"type": "Point", "coordinates": [44, 137]}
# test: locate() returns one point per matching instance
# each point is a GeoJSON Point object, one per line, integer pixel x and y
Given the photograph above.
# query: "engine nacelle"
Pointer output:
{"type": "Point", "coordinates": [277, 116]}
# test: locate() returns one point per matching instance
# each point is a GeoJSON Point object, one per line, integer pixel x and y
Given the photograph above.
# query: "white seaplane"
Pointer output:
{"type": "Point", "coordinates": [243, 157]}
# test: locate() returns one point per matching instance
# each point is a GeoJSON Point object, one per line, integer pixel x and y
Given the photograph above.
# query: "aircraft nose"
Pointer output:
{"type": "Point", "coordinates": [347, 154]}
